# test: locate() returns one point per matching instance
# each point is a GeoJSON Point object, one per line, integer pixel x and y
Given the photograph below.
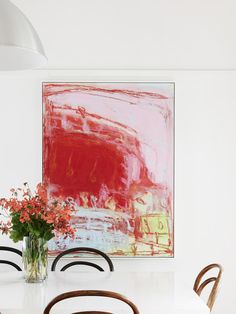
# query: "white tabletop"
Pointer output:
{"type": "Point", "coordinates": [152, 292]}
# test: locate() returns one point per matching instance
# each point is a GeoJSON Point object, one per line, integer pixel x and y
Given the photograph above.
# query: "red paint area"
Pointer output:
{"type": "Point", "coordinates": [91, 153]}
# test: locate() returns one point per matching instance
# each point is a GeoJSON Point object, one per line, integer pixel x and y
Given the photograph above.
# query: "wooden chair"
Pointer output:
{"type": "Point", "coordinates": [83, 250]}
{"type": "Point", "coordinates": [10, 249]}
{"type": "Point", "coordinates": [199, 285]}
{"type": "Point", "coordinates": [93, 293]}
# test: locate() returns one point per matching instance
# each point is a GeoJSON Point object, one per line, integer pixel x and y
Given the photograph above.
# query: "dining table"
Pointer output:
{"type": "Point", "coordinates": [152, 292]}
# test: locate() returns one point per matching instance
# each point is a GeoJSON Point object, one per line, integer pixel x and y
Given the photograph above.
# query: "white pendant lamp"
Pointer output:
{"type": "Point", "coordinates": [20, 45]}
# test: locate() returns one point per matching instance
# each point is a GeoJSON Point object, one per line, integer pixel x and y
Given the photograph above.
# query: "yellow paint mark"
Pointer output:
{"type": "Point", "coordinates": [143, 202]}
{"type": "Point", "coordinates": [110, 203]}
{"type": "Point", "coordinates": [84, 197]}
{"type": "Point", "coordinates": [154, 223]}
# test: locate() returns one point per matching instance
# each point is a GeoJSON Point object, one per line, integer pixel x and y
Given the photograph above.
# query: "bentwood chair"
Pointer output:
{"type": "Point", "coordinates": [92, 293]}
{"type": "Point", "coordinates": [13, 250]}
{"type": "Point", "coordinates": [200, 284]}
{"type": "Point", "coordinates": [77, 262]}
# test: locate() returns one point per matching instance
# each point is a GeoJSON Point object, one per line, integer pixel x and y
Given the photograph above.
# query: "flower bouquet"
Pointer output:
{"type": "Point", "coordinates": [35, 219]}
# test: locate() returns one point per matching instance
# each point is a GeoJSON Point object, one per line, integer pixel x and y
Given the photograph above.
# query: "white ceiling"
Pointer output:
{"type": "Point", "coordinates": [165, 34]}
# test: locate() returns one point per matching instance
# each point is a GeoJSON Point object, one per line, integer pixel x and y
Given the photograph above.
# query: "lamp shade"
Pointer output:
{"type": "Point", "coordinates": [20, 45]}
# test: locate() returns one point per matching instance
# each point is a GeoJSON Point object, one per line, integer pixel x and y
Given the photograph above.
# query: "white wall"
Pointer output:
{"type": "Point", "coordinates": [205, 162]}
{"type": "Point", "coordinates": [170, 34]}
{"type": "Point", "coordinates": [138, 34]}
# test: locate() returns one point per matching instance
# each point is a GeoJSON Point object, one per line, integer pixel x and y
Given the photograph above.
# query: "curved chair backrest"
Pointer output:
{"type": "Point", "coordinates": [83, 250]}
{"type": "Point", "coordinates": [199, 285]}
{"type": "Point", "coordinates": [92, 293]}
{"type": "Point", "coordinates": [10, 249]}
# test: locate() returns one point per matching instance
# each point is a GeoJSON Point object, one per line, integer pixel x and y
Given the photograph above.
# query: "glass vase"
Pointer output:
{"type": "Point", "coordinates": [35, 259]}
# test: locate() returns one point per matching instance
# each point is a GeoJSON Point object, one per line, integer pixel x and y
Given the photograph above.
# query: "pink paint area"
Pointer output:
{"type": "Point", "coordinates": [110, 148]}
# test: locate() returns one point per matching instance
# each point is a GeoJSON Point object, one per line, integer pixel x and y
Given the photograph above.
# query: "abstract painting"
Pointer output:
{"type": "Point", "coordinates": [109, 148]}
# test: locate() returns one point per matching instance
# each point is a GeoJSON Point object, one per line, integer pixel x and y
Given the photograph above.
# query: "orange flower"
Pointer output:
{"type": "Point", "coordinates": [36, 209]}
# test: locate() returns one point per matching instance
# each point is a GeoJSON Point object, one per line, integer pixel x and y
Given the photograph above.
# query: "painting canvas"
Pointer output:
{"type": "Point", "coordinates": [109, 147]}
